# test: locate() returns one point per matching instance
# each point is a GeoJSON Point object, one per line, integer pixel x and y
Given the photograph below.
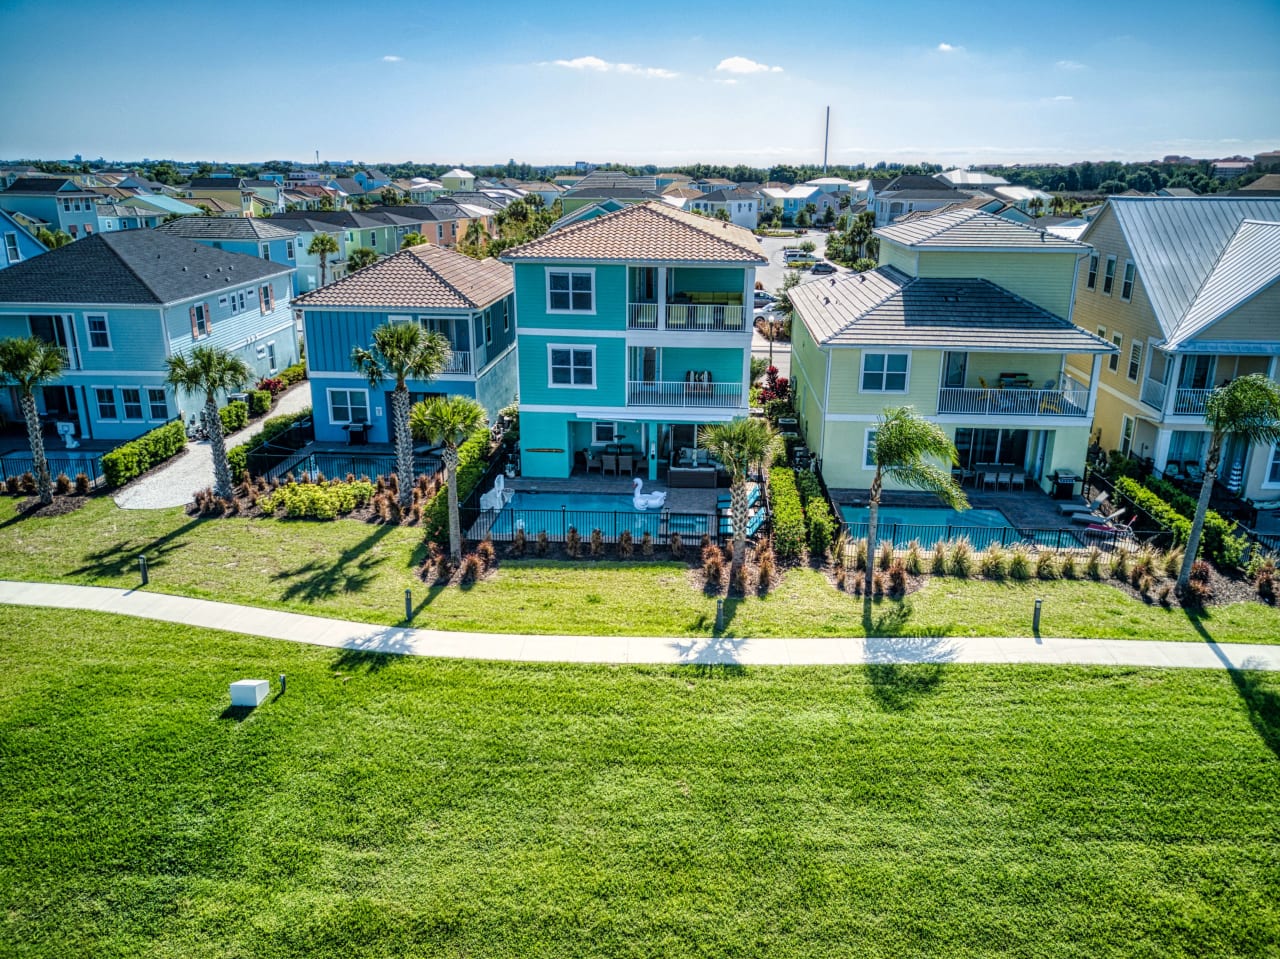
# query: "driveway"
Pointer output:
{"type": "Point", "coordinates": [175, 483]}
{"type": "Point", "coordinates": [771, 275]}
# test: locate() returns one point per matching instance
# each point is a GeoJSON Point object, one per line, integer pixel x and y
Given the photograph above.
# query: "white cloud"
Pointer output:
{"type": "Point", "coordinates": [949, 48]}
{"type": "Point", "coordinates": [604, 66]}
{"type": "Point", "coordinates": [745, 65]}
{"type": "Point", "coordinates": [391, 58]}
{"type": "Point", "coordinates": [1060, 99]}
{"type": "Point", "coordinates": [1069, 65]}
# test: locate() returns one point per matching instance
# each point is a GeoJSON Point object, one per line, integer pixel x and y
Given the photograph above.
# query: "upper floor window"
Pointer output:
{"type": "Point", "coordinates": [199, 321]}
{"type": "Point", "coordinates": [288, 249]}
{"type": "Point", "coordinates": [1135, 360]}
{"type": "Point", "coordinates": [571, 291]}
{"type": "Point", "coordinates": [571, 366]}
{"type": "Point", "coordinates": [885, 372]}
{"type": "Point", "coordinates": [11, 247]}
{"type": "Point", "coordinates": [99, 335]}
{"type": "Point", "coordinates": [266, 251]}
{"type": "Point", "coordinates": [1092, 281]}
{"type": "Point", "coordinates": [1126, 284]}
{"type": "Point", "coordinates": [1113, 361]}
{"type": "Point", "coordinates": [1109, 277]}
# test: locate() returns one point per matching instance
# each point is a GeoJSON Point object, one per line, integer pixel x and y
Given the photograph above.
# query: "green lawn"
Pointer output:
{"type": "Point", "coordinates": [394, 807]}
{"type": "Point", "coordinates": [356, 571]}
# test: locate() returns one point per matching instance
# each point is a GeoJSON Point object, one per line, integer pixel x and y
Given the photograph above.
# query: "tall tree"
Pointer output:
{"type": "Point", "coordinates": [324, 246]}
{"type": "Point", "coordinates": [52, 239]}
{"type": "Point", "coordinates": [474, 240]}
{"type": "Point", "coordinates": [401, 352]}
{"type": "Point", "coordinates": [211, 370]}
{"type": "Point", "coordinates": [905, 449]}
{"type": "Point", "coordinates": [412, 239]}
{"type": "Point", "coordinates": [1247, 408]}
{"type": "Point", "coordinates": [740, 445]}
{"type": "Point", "coordinates": [449, 420]}
{"type": "Point", "coordinates": [27, 363]}
{"type": "Point", "coordinates": [361, 257]}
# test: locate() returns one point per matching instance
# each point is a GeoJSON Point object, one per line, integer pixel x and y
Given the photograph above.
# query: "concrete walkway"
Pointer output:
{"type": "Point", "coordinates": [175, 483]}
{"type": "Point", "coordinates": [342, 634]}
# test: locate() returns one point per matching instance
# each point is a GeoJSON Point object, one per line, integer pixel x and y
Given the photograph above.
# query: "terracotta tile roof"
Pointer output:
{"type": "Point", "coordinates": [645, 231]}
{"type": "Point", "coordinates": [421, 277]}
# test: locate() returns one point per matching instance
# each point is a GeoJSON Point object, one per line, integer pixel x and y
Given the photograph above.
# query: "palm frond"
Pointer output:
{"type": "Point", "coordinates": [446, 419]}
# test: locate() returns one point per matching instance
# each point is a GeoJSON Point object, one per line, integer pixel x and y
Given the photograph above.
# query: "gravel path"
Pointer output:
{"type": "Point", "coordinates": [406, 641]}
{"type": "Point", "coordinates": [175, 483]}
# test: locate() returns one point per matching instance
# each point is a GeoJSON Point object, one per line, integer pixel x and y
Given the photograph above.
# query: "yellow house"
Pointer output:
{"type": "Point", "coordinates": [966, 319]}
{"type": "Point", "coordinates": [1186, 289]}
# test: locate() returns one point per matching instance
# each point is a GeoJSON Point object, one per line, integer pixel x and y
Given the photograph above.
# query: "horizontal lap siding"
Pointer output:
{"type": "Point", "coordinates": [1044, 279]}
{"type": "Point", "coordinates": [610, 300]}
{"type": "Point", "coordinates": [610, 372]}
{"type": "Point", "coordinates": [922, 385]}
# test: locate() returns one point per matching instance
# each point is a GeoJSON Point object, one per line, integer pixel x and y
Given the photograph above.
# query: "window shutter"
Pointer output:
{"type": "Point", "coordinates": [208, 317]}
{"type": "Point", "coordinates": [195, 333]}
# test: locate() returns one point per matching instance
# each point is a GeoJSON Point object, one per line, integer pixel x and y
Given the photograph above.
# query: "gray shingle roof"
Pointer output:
{"type": "Point", "coordinates": [225, 228]}
{"type": "Point", "coordinates": [133, 266]}
{"type": "Point", "coordinates": [973, 230]}
{"type": "Point", "coordinates": [1176, 241]}
{"type": "Point", "coordinates": [884, 307]}
{"type": "Point", "coordinates": [44, 184]}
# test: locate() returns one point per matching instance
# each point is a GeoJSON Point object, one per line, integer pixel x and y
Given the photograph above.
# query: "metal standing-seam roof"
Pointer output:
{"type": "Point", "coordinates": [421, 277]}
{"type": "Point", "coordinates": [646, 231]}
{"type": "Point", "coordinates": [973, 230]}
{"type": "Point", "coordinates": [1249, 264]}
{"type": "Point", "coordinates": [1177, 241]}
{"type": "Point", "coordinates": [885, 307]}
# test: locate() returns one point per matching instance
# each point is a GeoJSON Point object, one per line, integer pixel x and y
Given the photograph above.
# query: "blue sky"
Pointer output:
{"type": "Point", "coordinates": [652, 82]}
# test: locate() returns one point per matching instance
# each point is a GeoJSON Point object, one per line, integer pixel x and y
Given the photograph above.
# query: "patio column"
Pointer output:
{"type": "Point", "coordinates": [1093, 384]}
{"type": "Point", "coordinates": [652, 429]}
{"type": "Point", "coordinates": [662, 297]}
{"type": "Point", "coordinates": [1160, 455]}
{"type": "Point", "coordinates": [1171, 391]}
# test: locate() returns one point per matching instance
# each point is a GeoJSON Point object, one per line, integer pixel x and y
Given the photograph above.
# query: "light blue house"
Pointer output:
{"type": "Point", "coordinates": [57, 201]}
{"type": "Point", "coordinates": [251, 236]}
{"type": "Point", "coordinates": [120, 304]}
{"type": "Point", "coordinates": [634, 328]}
{"type": "Point", "coordinates": [470, 301]}
{"type": "Point", "coordinates": [19, 245]}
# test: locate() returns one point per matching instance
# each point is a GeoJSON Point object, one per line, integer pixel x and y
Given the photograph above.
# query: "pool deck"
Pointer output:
{"type": "Point", "coordinates": [678, 500]}
{"type": "Point", "coordinates": [1032, 509]}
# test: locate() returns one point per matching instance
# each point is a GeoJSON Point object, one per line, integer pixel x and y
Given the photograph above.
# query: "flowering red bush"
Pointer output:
{"type": "Point", "coordinates": [273, 384]}
{"type": "Point", "coordinates": [775, 387]}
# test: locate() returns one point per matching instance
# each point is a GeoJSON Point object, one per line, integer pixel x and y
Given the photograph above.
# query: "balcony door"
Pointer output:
{"type": "Point", "coordinates": [1197, 373]}
{"type": "Point", "coordinates": [646, 364]}
{"type": "Point", "coordinates": [957, 367]}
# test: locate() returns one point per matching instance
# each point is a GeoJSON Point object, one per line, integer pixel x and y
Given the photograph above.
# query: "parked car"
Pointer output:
{"type": "Point", "coordinates": [823, 267]}
{"type": "Point", "coordinates": [764, 299]}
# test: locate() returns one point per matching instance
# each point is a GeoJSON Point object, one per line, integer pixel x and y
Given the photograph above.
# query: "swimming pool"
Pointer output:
{"type": "Point", "coordinates": [928, 524]}
{"type": "Point", "coordinates": [611, 513]}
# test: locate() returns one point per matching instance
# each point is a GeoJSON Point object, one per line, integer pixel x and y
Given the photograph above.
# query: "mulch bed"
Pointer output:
{"type": "Point", "coordinates": [31, 508]}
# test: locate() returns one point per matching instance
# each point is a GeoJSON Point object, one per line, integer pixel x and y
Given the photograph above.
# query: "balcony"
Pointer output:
{"type": "Point", "coordinates": [1012, 402]}
{"type": "Point", "coordinates": [1190, 402]}
{"type": "Point", "coordinates": [1153, 393]}
{"type": "Point", "coordinates": [682, 394]}
{"type": "Point", "coordinates": [459, 362]}
{"type": "Point", "coordinates": [688, 317]}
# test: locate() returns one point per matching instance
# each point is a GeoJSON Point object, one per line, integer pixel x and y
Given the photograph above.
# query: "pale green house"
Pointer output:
{"type": "Point", "coordinates": [967, 319]}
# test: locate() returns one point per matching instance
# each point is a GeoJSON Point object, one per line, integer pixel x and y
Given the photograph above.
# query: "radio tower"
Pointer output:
{"type": "Point", "coordinates": [826, 141]}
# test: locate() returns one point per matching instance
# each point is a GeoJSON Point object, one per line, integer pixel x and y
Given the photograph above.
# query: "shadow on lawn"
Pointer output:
{"type": "Point", "coordinates": [350, 572]}
{"type": "Point", "coordinates": [902, 669]}
{"type": "Point", "coordinates": [1261, 700]}
{"type": "Point", "coordinates": [122, 557]}
{"type": "Point", "coordinates": [364, 661]}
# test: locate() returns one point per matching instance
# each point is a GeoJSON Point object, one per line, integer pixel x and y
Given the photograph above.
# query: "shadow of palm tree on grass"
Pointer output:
{"type": "Point", "coordinates": [364, 661]}
{"type": "Point", "coordinates": [1257, 689]}
{"type": "Point", "coordinates": [902, 670]}
{"type": "Point", "coordinates": [122, 557]}
{"type": "Point", "coordinates": [350, 572]}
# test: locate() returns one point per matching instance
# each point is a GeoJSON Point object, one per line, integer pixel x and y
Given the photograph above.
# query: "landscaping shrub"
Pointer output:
{"type": "Point", "coordinates": [1046, 566]}
{"type": "Point", "coordinates": [259, 403]}
{"type": "Point", "coordinates": [134, 458]}
{"type": "Point", "coordinates": [860, 555]}
{"type": "Point", "coordinates": [1093, 564]}
{"type": "Point", "coordinates": [878, 585]}
{"type": "Point", "coordinates": [898, 578]}
{"type": "Point", "coordinates": [82, 484]}
{"type": "Point", "coordinates": [28, 483]}
{"type": "Point", "coordinates": [472, 568]}
{"type": "Point", "coordinates": [517, 543]}
{"type": "Point", "coordinates": [486, 553]}
{"type": "Point", "coordinates": [938, 561]}
{"type": "Point", "coordinates": [713, 567]}
{"type": "Point", "coordinates": [1019, 564]}
{"type": "Point", "coordinates": [742, 580]}
{"type": "Point", "coordinates": [471, 466]}
{"type": "Point", "coordinates": [764, 565]}
{"type": "Point", "coordinates": [788, 515]}
{"type": "Point", "coordinates": [822, 524]}
{"type": "Point", "coordinates": [238, 457]}
{"type": "Point", "coordinates": [885, 559]}
{"type": "Point", "coordinates": [1199, 587]}
{"type": "Point", "coordinates": [1173, 510]}
{"type": "Point", "coordinates": [11, 486]}
{"type": "Point", "coordinates": [293, 374]}
{"type": "Point", "coordinates": [542, 542]}
{"type": "Point", "coordinates": [994, 563]}
{"type": "Point", "coordinates": [272, 384]}
{"type": "Point", "coordinates": [1120, 565]}
{"type": "Point", "coordinates": [1173, 562]}
{"type": "Point", "coordinates": [914, 562]}
{"type": "Point", "coordinates": [625, 546]}
{"type": "Point", "coordinates": [62, 485]}
{"type": "Point", "coordinates": [318, 500]}
{"type": "Point", "coordinates": [677, 546]}
{"type": "Point", "coordinates": [961, 565]}
{"type": "Point", "coordinates": [1070, 569]}
{"type": "Point", "coordinates": [572, 542]}
{"type": "Point", "coordinates": [234, 416]}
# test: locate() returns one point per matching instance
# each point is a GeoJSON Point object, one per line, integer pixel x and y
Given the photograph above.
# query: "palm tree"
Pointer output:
{"type": "Point", "coordinates": [740, 445]}
{"type": "Point", "coordinates": [402, 351]}
{"type": "Point", "coordinates": [211, 370]}
{"type": "Point", "coordinates": [412, 239]}
{"type": "Point", "coordinates": [27, 363]}
{"type": "Point", "coordinates": [474, 240]}
{"type": "Point", "coordinates": [361, 257]}
{"type": "Point", "coordinates": [323, 245]}
{"type": "Point", "coordinates": [1248, 408]}
{"type": "Point", "coordinates": [449, 420]}
{"type": "Point", "coordinates": [904, 446]}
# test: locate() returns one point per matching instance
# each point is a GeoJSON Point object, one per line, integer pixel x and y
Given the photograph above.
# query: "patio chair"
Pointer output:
{"type": "Point", "coordinates": [1066, 509]}
{"type": "Point", "coordinates": [626, 464]}
{"type": "Point", "coordinates": [1004, 479]}
{"type": "Point", "coordinates": [594, 462]}
{"type": "Point", "coordinates": [1094, 519]}
{"type": "Point", "coordinates": [1020, 479]}
{"type": "Point", "coordinates": [990, 479]}
{"type": "Point", "coordinates": [609, 465]}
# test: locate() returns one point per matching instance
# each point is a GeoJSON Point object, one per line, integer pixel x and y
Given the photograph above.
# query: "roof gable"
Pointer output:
{"type": "Point", "coordinates": [973, 230]}
{"type": "Point", "coordinates": [421, 277]}
{"type": "Point", "coordinates": [225, 228]}
{"type": "Point", "coordinates": [1249, 264]}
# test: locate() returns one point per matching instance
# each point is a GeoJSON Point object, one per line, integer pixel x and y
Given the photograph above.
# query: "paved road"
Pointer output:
{"type": "Point", "coordinates": [343, 634]}
{"type": "Point", "coordinates": [175, 483]}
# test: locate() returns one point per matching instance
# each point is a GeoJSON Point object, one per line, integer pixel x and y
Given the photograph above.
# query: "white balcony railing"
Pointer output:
{"type": "Point", "coordinates": [1154, 392]}
{"type": "Point", "coordinates": [459, 362]}
{"type": "Point", "coordinates": [997, 402]}
{"type": "Point", "coordinates": [1190, 402]}
{"type": "Point", "coordinates": [688, 317]}
{"type": "Point", "coordinates": [707, 395]}
{"type": "Point", "coordinates": [70, 357]}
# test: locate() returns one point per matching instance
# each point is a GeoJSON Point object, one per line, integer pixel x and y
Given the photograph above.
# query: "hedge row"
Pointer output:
{"type": "Point", "coordinates": [788, 514]}
{"type": "Point", "coordinates": [234, 416]}
{"type": "Point", "coordinates": [318, 500]}
{"type": "Point", "coordinates": [238, 457]}
{"type": "Point", "coordinates": [471, 467]}
{"type": "Point", "coordinates": [137, 456]}
{"type": "Point", "coordinates": [1221, 542]}
{"type": "Point", "coordinates": [818, 518]}
{"type": "Point", "coordinates": [259, 402]}
{"type": "Point", "coordinates": [1218, 543]}
{"type": "Point", "coordinates": [293, 374]}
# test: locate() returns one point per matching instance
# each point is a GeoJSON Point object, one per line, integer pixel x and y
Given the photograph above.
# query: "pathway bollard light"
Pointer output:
{"type": "Point", "coordinates": [1035, 619]}
{"type": "Point", "coordinates": [408, 605]}
{"type": "Point", "coordinates": [142, 569]}
{"type": "Point", "coordinates": [282, 684]}
{"type": "Point", "coordinates": [719, 615]}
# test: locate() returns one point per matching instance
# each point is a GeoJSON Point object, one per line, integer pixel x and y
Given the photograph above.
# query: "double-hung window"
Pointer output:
{"type": "Point", "coordinates": [1113, 361]}
{"type": "Point", "coordinates": [1109, 277]}
{"type": "Point", "coordinates": [571, 367]}
{"type": "Point", "coordinates": [571, 291]}
{"type": "Point", "coordinates": [1135, 360]}
{"type": "Point", "coordinates": [1092, 281]}
{"type": "Point", "coordinates": [106, 398]}
{"type": "Point", "coordinates": [884, 372]}
{"type": "Point", "coordinates": [158, 403]}
{"type": "Point", "coordinates": [99, 335]}
{"type": "Point", "coordinates": [348, 406]}
{"type": "Point", "coordinates": [1126, 284]}
{"type": "Point", "coordinates": [266, 251]}
{"type": "Point", "coordinates": [1273, 469]}
{"type": "Point", "coordinates": [131, 399]}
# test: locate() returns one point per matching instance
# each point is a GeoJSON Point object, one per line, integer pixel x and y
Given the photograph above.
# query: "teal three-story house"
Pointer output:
{"type": "Point", "coordinates": [633, 328]}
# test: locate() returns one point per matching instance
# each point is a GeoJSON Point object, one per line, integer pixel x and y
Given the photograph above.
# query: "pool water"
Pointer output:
{"type": "Point", "coordinates": [929, 524]}
{"type": "Point", "coordinates": [611, 513]}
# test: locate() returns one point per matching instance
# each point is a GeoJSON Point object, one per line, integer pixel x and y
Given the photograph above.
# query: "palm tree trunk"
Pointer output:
{"type": "Point", "coordinates": [449, 456]}
{"type": "Point", "coordinates": [324, 263]}
{"type": "Point", "coordinates": [738, 503]}
{"type": "Point", "coordinates": [404, 443]}
{"type": "Point", "coordinates": [1202, 508]}
{"type": "Point", "coordinates": [873, 522]}
{"type": "Point", "coordinates": [39, 464]}
{"type": "Point", "coordinates": [218, 448]}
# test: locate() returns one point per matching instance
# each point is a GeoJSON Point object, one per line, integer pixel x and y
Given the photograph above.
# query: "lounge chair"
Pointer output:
{"type": "Point", "coordinates": [1066, 509]}
{"type": "Point", "coordinates": [1094, 519]}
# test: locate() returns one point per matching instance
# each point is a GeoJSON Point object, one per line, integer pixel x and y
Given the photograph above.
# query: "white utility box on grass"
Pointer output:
{"type": "Point", "coordinates": [249, 692]}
